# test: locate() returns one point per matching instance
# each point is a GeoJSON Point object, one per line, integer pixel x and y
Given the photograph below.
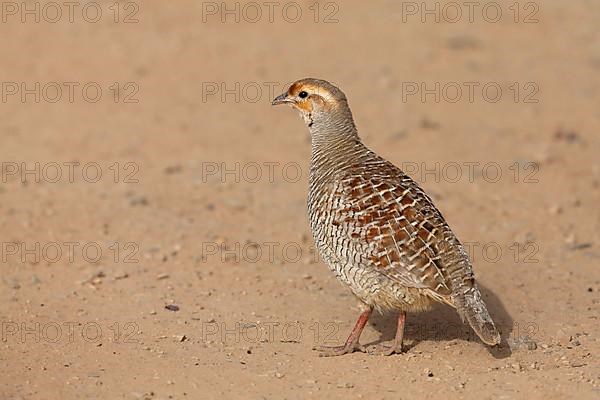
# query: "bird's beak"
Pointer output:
{"type": "Point", "coordinates": [281, 99]}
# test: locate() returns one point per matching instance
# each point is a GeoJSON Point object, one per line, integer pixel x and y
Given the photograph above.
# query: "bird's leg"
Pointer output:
{"type": "Point", "coordinates": [352, 343]}
{"type": "Point", "coordinates": [396, 347]}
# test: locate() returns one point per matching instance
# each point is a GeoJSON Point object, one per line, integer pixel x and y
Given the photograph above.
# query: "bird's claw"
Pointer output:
{"type": "Point", "coordinates": [386, 350]}
{"type": "Point", "coordinates": [332, 351]}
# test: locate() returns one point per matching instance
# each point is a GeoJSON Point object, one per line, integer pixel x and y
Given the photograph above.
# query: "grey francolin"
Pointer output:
{"type": "Point", "coordinates": [375, 227]}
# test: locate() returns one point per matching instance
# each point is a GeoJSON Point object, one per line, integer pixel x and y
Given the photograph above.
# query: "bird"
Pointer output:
{"type": "Point", "coordinates": [376, 228]}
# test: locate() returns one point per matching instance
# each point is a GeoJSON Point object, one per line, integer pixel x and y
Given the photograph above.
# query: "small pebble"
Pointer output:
{"type": "Point", "coordinates": [346, 385]}
{"type": "Point", "coordinates": [121, 275]}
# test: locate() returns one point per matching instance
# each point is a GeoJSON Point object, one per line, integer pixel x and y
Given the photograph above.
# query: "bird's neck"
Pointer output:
{"type": "Point", "coordinates": [335, 144]}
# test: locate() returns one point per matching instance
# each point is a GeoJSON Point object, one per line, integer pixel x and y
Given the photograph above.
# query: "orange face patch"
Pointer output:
{"type": "Point", "coordinates": [303, 105]}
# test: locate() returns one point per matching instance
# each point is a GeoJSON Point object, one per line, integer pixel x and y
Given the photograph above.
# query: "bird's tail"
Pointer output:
{"type": "Point", "coordinates": [470, 307]}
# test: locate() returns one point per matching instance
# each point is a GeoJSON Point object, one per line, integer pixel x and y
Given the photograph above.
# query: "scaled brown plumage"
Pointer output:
{"type": "Point", "coordinates": [375, 227]}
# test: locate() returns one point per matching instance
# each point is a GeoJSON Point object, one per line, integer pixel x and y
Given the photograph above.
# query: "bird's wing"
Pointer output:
{"type": "Point", "coordinates": [406, 237]}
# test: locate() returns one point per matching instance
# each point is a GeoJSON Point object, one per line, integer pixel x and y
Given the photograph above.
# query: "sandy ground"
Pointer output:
{"type": "Point", "coordinates": [155, 243]}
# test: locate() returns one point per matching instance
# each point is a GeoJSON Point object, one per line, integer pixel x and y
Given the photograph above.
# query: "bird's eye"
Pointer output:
{"type": "Point", "coordinates": [303, 94]}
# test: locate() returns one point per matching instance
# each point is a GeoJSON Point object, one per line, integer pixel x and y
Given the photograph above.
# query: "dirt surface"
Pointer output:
{"type": "Point", "coordinates": [186, 269]}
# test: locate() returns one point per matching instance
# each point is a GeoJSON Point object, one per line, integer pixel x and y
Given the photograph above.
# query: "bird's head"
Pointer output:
{"type": "Point", "coordinates": [316, 100]}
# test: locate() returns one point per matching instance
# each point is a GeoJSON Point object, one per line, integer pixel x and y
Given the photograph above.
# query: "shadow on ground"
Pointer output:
{"type": "Point", "coordinates": [442, 323]}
